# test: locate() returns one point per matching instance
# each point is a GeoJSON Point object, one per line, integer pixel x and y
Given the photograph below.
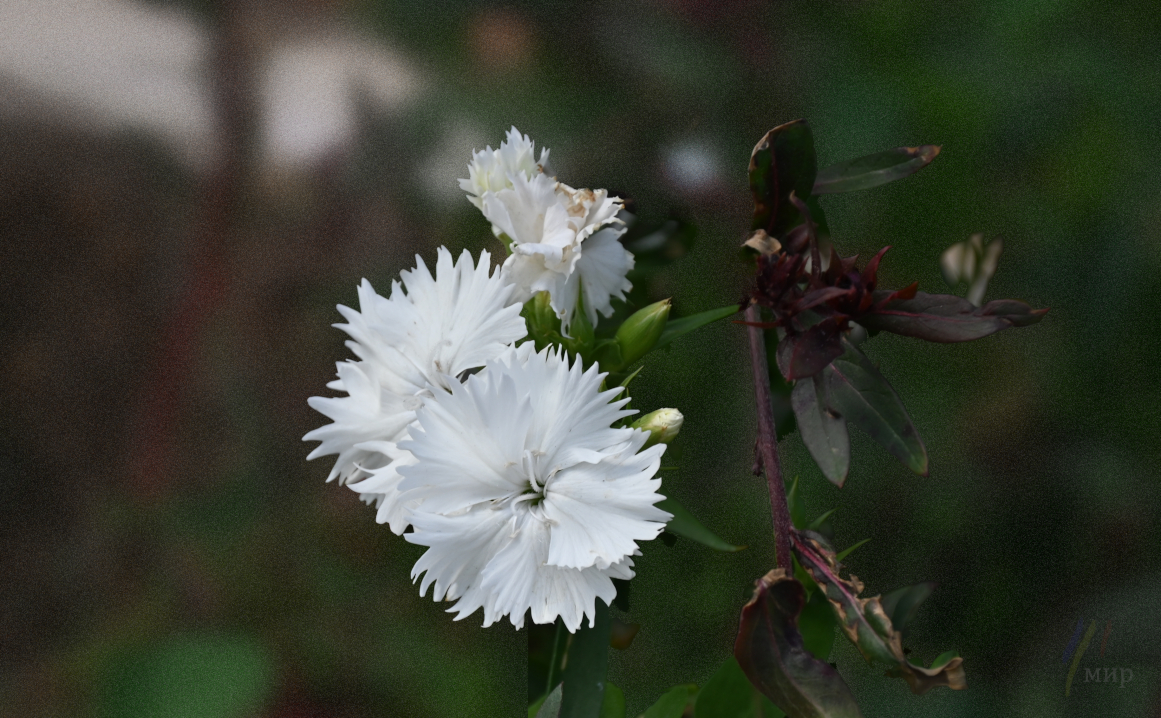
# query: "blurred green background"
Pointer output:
{"type": "Point", "coordinates": [170, 268]}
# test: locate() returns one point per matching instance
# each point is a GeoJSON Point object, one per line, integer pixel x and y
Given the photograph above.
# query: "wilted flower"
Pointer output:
{"type": "Point", "coordinates": [528, 499]}
{"type": "Point", "coordinates": [562, 240]}
{"type": "Point", "coordinates": [430, 331]}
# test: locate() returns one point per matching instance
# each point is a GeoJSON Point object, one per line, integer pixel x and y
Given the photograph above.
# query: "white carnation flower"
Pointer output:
{"type": "Point", "coordinates": [552, 226]}
{"type": "Point", "coordinates": [430, 331]}
{"type": "Point", "coordinates": [530, 500]}
{"type": "Point", "coordinates": [490, 169]}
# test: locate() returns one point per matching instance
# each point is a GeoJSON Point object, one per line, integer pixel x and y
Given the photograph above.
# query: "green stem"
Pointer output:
{"type": "Point", "coordinates": [559, 646]}
{"type": "Point", "coordinates": [586, 668]}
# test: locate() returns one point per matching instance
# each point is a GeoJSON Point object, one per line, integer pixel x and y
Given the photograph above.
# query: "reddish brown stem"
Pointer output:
{"type": "Point", "coordinates": [768, 440]}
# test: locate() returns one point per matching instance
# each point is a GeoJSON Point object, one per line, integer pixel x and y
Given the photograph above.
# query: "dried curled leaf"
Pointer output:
{"type": "Point", "coordinates": [771, 652]}
{"type": "Point", "coordinates": [867, 625]}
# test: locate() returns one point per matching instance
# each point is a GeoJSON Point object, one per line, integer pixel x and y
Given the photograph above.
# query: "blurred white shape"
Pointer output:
{"type": "Point", "coordinates": [108, 64]}
{"type": "Point", "coordinates": [310, 87]}
{"type": "Point", "coordinates": [972, 263]}
{"type": "Point", "coordinates": [115, 64]}
{"type": "Point", "coordinates": [693, 166]}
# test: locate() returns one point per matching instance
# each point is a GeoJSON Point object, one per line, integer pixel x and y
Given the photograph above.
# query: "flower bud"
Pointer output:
{"type": "Point", "coordinates": [641, 331]}
{"type": "Point", "coordinates": [662, 425]}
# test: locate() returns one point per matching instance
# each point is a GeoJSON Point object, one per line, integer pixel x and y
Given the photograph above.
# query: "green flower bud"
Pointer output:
{"type": "Point", "coordinates": [641, 331]}
{"type": "Point", "coordinates": [662, 425]}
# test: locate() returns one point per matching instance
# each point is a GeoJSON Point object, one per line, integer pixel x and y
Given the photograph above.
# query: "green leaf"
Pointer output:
{"type": "Point", "coordinates": [613, 706]}
{"type": "Point", "coordinates": [729, 694]}
{"type": "Point", "coordinates": [548, 706]}
{"type": "Point", "coordinates": [586, 666]}
{"type": "Point", "coordinates": [862, 396]}
{"type": "Point", "coordinates": [672, 703]}
{"type": "Point", "coordinates": [867, 625]}
{"type": "Point", "coordinates": [847, 551]}
{"type": "Point", "coordinates": [771, 652]}
{"type": "Point", "coordinates": [782, 162]}
{"type": "Point", "coordinates": [199, 676]}
{"type": "Point", "coordinates": [795, 504]}
{"type": "Point", "coordinates": [823, 525]}
{"type": "Point", "coordinates": [816, 623]}
{"type": "Point", "coordinates": [823, 430]}
{"type": "Point", "coordinates": [684, 524]}
{"type": "Point", "coordinates": [902, 603]}
{"type": "Point", "coordinates": [677, 327]}
{"type": "Point", "coordinates": [874, 170]}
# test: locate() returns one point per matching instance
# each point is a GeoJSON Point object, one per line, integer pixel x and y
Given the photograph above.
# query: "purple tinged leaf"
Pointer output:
{"type": "Point", "coordinates": [946, 318]}
{"type": "Point", "coordinates": [874, 170]}
{"type": "Point", "coordinates": [862, 396]}
{"type": "Point", "coordinates": [809, 352]}
{"type": "Point", "coordinates": [818, 296]}
{"type": "Point", "coordinates": [782, 162]}
{"type": "Point", "coordinates": [823, 431]}
{"type": "Point", "coordinates": [770, 651]}
{"type": "Point", "coordinates": [866, 624]}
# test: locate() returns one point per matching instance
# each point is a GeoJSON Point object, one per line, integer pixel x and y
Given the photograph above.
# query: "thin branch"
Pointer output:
{"type": "Point", "coordinates": [768, 441]}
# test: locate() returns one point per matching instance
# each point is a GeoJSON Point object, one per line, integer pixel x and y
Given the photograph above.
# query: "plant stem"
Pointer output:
{"type": "Point", "coordinates": [768, 441]}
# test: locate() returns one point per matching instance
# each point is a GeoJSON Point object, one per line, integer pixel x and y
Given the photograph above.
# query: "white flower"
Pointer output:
{"type": "Point", "coordinates": [600, 272]}
{"type": "Point", "coordinates": [490, 169]}
{"type": "Point", "coordinates": [552, 226]}
{"type": "Point", "coordinates": [530, 500]}
{"type": "Point", "coordinates": [430, 331]}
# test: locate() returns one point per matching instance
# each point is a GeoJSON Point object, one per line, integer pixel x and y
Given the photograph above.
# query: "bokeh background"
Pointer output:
{"type": "Point", "coordinates": [188, 188]}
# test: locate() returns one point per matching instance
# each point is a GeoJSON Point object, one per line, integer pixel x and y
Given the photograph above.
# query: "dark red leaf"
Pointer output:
{"type": "Point", "coordinates": [946, 318]}
{"type": "Point", "coordinates": [782, 162]}
{"type": "Point", "coordinates": [806, 354]}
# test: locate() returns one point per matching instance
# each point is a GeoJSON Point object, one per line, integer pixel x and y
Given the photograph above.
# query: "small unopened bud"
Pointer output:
{"type": "Point", "coordinates": [662, 425]}
{"type": "Point", "coordinates": [641, 331]}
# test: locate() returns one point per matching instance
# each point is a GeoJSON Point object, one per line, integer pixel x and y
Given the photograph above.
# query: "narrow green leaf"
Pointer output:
{"type": "Point", "coordinates": [862, 396]}
{"type": "Point", "coordinates": [771, 652]}
{"type": "Point", "coordinates": [548, 706]}
{"type": "Point", "coordinates": [586, 667]}
{"type": "Point", "coordinates": [943, 659]}
{"type": "Point", "coordinates": [613, 706]}
{"type": "Point", "coordinates": [684, 325]}
{"type": "Point", "coordinates": [672, 703]}
{"type": "Point", "coordinates": [902, 603]}
{"type": "Point", "coordinates": [729, 694]}
{"type": "Point", "coordinates": [823, 430]}
{"type": "Point", "coordinates": [874, 170]}
{"type": "Point", "coordinates": [847, 551]}
{"type": "Point", "coordinates": [821, 521]}
{"type": "Point", "coordinates": [684, 524]}
{"type": "Point", "coordinates": [795, 504]}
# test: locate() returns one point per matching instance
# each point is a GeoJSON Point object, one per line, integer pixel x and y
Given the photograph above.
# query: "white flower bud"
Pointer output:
{"type": "Point", "coordinates": [663, 425]}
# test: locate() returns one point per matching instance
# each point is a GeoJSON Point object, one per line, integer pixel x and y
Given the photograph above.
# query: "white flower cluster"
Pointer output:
{"type": "Point", "coordinates": [564, 241]}
{"type": "Point", "coordinates": [513, 476]}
